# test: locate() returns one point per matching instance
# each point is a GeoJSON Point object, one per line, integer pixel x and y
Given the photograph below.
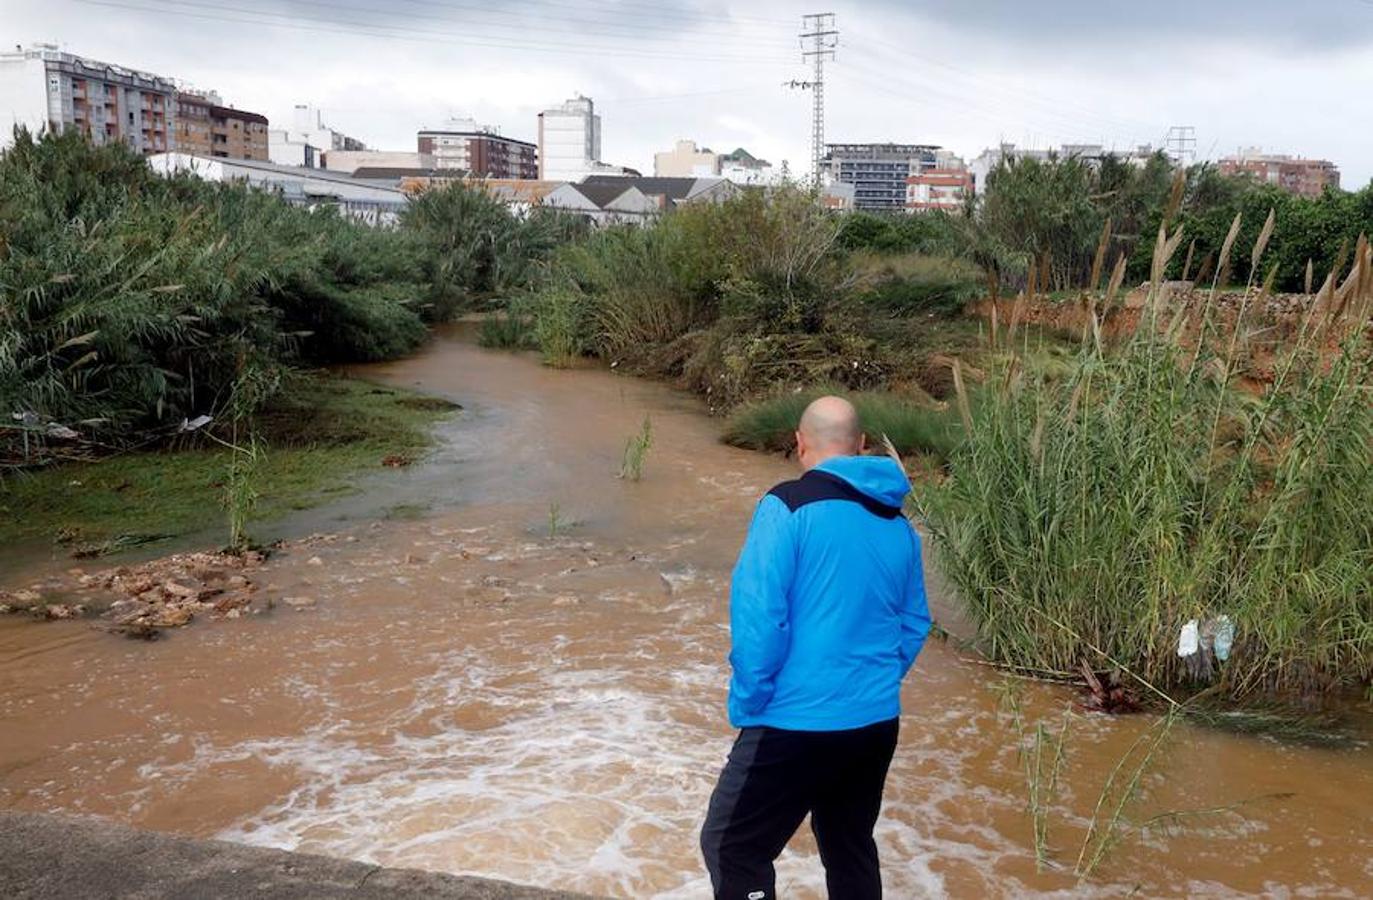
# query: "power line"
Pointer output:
{"type": "Point", "coordinates": [658, 97]}
{"type": "Point", "coordinates": [958, 105]}
{"type": "Point", "coordinates": [1049, 103]}
{"type": "Point", "coordinates": [962, 102]}
{"type": "Point", "coordinates": [618, 29]}
{"type": "Point", "coordinates": [400, 33]}
{"type": "Point", "coordinates": [661, 11]}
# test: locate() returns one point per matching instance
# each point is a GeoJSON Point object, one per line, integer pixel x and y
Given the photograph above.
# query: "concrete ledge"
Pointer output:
{"type": "Point", "coordinates": [48, 856]}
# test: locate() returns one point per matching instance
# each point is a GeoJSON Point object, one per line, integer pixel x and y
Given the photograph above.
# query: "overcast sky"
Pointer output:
{"type": "Point", "coordinates": [964, 74]}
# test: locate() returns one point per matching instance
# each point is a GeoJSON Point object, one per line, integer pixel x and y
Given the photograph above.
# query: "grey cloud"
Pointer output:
{"type": "Point", "coordinates": [1280, 25]}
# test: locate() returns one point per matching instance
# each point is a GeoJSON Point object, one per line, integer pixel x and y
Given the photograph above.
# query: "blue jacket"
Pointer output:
{"type": "Point", "coordinates": [827, 603]}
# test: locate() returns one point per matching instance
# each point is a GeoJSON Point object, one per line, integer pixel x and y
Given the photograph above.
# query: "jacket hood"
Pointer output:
{"type": "Point", "coordinates": [878, 477]}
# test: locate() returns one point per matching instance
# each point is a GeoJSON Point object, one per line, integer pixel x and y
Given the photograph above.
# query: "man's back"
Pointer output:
{"type": "Point", "coordinates": [827, 613]}
{"type": "Point", "coordinates": [827, 601]}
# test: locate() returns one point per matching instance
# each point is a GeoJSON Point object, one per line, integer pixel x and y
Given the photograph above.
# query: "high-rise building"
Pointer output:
{"type": "Point", "coordinates": [42, 87]}
{"type": "Point", "coordinates": [479, 150]}
{"type": "Point", "coordinates": [569, 140]}
{"type": "Point", "coordinates": [878, 172]}
{"type": "Point", "coordinates": [1306, 177]}
{"type": "Point", "coordinates": [206, 127]}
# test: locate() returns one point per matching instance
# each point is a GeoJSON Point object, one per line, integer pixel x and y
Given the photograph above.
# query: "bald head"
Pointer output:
{"type": "Point", "coordinates": [829, 427]}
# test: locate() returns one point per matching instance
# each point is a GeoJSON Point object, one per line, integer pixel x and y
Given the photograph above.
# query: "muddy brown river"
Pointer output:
{"type": "Point", "coordinates": [473, 695]}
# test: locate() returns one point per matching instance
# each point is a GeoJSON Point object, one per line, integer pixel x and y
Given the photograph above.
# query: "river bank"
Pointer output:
{"type": "Point", "coordinates": [321, 440]}
{"type": "Point", "coordinates": [479, 690]}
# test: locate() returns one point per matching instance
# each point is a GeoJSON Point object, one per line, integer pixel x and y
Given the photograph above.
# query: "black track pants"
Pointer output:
{"type": "Point", "coordinates": [772, 779]}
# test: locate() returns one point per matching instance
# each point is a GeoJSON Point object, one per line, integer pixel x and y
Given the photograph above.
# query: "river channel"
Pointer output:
{"type": "Point", "coordinates": [524, 677]}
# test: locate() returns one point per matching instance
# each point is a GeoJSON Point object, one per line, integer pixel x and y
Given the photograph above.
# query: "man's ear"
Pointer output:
{"type": "Point", "coordinates": [799, 443]}
{"type": "Point", "coordinates": [862, 442]}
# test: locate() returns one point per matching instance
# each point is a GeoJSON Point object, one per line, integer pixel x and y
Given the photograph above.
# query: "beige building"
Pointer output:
{"type": "Point", "coordinates": [686, 160]}
{"type": "Point", "coordinates": [205, 127]}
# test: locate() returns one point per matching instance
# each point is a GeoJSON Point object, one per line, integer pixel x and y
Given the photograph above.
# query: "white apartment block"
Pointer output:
{"type": "Point", "coordinates": [569, 141]}
{"type": "Point", "coordinates": [41, 87]}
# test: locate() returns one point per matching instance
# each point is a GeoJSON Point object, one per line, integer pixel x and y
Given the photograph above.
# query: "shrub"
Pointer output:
{"type": "Point", "coordinates": [917, 285]}
{"type": "Point", "coordinates": [476, 248]}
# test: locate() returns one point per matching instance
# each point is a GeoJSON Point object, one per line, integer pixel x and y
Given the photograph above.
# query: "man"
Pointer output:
{"type": "Point", "coordinates": [827, 614]}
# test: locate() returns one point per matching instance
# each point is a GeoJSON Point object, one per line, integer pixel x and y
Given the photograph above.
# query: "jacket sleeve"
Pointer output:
{"type": "Point", "coordinates": [915, 610]}
{"type": "Point", "coordinates": [759, 607]}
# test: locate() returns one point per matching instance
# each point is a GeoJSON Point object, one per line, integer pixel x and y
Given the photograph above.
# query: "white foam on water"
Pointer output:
{"type": "Point", "coordinates": [589, 777]}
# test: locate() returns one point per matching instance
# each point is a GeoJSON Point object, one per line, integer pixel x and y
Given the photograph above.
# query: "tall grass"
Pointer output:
{"type": "Point", "coordinates": [912, 426]}
{"type": "Point", "coordinates": [1093, 515]}
{"type": "Point", "coordinates": [636, 452]}
{"type": "Point", "coordinates": [129, 302]}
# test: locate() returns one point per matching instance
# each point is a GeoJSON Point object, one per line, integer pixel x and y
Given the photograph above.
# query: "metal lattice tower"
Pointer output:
{"type": "Point", "coordinates": [820, 30]}
{"type": "Point", "coordinates": [1182, 144]}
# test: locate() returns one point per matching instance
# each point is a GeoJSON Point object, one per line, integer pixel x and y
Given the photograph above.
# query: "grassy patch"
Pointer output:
{"type": "Point", "coordinates": [914, 426]}
{"type": "Point", "coordinates": [319, 433]}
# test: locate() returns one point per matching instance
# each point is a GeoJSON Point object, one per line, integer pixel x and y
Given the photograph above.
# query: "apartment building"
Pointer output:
{"type": "Point", "coordinates": [878, 172]}
{"type": "Point", "coordinates": [569, 140]}
{"type": "Point", "coordinates": [307, 139]}
{"type": "Point", "coordinates": [206, 127]}
{"type": "Point", "coordinates": [940, 189]}
{"type": "Point", "coordinates": [43, 87]}
{"type": "Point", "coordinates": [1297, 175]}
{"type": "Point", "coordinates": [743, 168]}
{"type": "Point", "coordinates": [479, 150]}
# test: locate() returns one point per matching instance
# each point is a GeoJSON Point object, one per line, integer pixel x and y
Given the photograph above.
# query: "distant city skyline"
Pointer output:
{"type": "Point", "coordinates": [965, 76]}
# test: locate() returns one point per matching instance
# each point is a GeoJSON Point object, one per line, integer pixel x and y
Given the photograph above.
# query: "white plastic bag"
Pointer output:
{"type": "Point", "coordinates": [1189, 640]}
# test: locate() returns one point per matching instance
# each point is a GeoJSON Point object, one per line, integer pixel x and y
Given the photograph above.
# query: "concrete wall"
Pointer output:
{"type": "Point", "coordinates": [46, 857]}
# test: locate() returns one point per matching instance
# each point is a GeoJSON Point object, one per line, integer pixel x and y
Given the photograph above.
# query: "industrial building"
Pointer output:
{"type": "Point", "coordinates": [479, 150]}
{"type": "Point", "coordinates": [369, 202]}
